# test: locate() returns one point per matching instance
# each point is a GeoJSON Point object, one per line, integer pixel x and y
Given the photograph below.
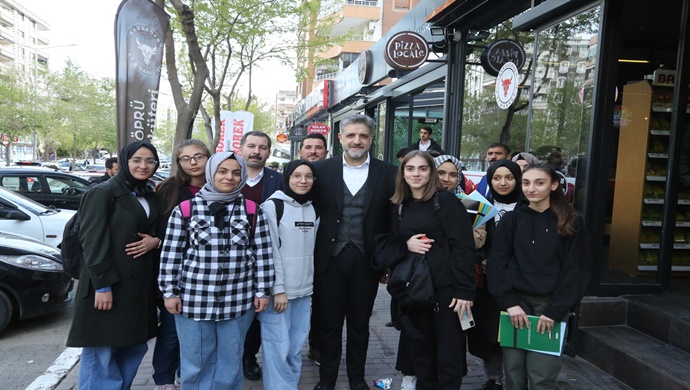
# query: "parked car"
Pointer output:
{"type": "Point", "coordinates": [21, 215]}
{"type": "Point", "coordinates": [32, 281]}
{"type": "Point", "coordinates": [46, 186]}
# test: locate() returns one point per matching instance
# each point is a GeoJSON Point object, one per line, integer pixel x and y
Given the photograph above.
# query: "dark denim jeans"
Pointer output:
{"type": "Point", "coordinates": [166, 353]}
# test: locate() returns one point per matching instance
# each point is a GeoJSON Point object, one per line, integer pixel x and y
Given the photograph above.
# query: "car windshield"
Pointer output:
{"type": "Point", "coordinates": [23, 201]}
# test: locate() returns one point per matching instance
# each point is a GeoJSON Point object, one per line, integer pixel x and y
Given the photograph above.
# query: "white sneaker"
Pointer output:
{"type": "Point", "coordinates": [409, 382]}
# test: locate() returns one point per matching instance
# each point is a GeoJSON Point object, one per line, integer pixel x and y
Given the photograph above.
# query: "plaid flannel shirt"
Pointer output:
{"type": "Point", "coordinates": [216, 272]}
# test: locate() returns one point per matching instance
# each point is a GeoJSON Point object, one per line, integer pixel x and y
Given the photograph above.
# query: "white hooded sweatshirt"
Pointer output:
{"type": "Point", "coordinates": [293, 245]}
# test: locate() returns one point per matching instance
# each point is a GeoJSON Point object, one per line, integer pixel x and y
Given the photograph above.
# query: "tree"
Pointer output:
{"type": "Point", "coordinates": [16, 107]}
{"type": "Point", "coordinates": [231, 38]}
{"type": "Point", "coordinates": [82, 110]}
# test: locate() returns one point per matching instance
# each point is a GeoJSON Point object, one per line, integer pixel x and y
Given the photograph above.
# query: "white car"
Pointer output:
{"type": "Point", "coordinates": [21, 215]}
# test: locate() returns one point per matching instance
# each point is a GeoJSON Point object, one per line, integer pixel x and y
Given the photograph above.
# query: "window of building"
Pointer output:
{"type": "Point", "coordinates": [402, 5]}
{"type": "Point", "coordinates": [563, 67]}
{"type": "Point", "coordinates": [560, 82]}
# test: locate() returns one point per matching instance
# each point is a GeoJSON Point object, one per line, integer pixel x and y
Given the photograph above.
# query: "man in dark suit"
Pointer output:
{"type": "Point", "coordinates": [353, 193]}
{"type": "Point", "coordinates": [262, 182]}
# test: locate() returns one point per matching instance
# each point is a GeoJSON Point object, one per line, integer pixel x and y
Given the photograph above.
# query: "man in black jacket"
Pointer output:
{"type": "Point", "coordinates": [426, 143]}
{"type": "Point", "coordinates": [111, 169]}
{"type": "Point", "coordinates": [353, 192]}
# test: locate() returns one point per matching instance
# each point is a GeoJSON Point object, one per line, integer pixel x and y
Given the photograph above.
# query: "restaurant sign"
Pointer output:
{"type": "Point", "coordinates": [498, 53]}
{"type": "Point", "coordinates": [406, 50]}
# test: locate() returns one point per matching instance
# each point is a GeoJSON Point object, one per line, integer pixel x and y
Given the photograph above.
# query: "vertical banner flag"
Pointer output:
{"type": "Point", "coordinates": [240, 123]}
{"type": "Point", "coordinates": [140, 30]}
{"type": "Point", "coordinates": [225, 120]}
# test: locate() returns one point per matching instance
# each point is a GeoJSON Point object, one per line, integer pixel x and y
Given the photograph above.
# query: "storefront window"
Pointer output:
{"type": "Point", "coordinates": [559, 130]}
{"type": "Point", "coordinates": [484, 123]}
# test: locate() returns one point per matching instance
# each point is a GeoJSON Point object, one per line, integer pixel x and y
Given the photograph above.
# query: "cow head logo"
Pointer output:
{"type": "Point", "coordinates": [505, 83]}
{"type": "Point", "coordinates": [146, 51]}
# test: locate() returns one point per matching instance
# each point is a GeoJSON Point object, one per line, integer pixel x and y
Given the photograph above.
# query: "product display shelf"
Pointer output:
{"type": "Point", "coordinates": [640, 185]}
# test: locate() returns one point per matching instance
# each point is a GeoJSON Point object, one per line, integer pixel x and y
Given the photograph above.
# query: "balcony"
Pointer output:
{"type": "Point", "coordinates": [6, 36]}
{"type": "Point", "coordinates": [6, 55]}
{"type": "Point", "coordinates": [6, 16]}
{"type": "Point", "coordinates": [347, 47]}
{"type": "Point", "coordinates": [351, 14]}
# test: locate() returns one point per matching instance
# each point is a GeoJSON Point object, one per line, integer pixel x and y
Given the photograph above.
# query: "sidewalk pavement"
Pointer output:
{"type": "Point", "coordinates": [576, 374]}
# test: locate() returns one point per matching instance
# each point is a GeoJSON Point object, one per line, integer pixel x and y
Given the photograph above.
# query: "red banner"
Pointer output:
{"type": "Point", "coordinates": [140, 29]}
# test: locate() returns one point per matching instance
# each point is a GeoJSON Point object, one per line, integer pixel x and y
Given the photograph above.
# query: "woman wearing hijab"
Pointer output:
{"type": "Point", "coordinates": [504, 181]}
{"type": "Point", "coordinates": [449, 171]}
{"type": "Point", "coordinates": [293, 222]}
{"type": "Point", "coordinates": [216, 271]}
{"type": "Point", "coordinates": [523, 159]}
{"type": "Point", "coordinates": [114, 307]}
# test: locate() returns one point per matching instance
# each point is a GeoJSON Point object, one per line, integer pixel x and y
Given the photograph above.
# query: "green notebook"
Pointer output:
{"type": "Point", "coordinates": [529, 339]}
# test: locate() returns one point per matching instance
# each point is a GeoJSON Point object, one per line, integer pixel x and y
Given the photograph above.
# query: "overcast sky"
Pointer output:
{"type": "Point", "coordinates": [90, 24]}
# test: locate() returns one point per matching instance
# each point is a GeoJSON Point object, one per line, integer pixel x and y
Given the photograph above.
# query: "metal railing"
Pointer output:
{"type": "Point", "coordinates": [366, 3]}
{"type": "Point", "coordinates": [327, 76]}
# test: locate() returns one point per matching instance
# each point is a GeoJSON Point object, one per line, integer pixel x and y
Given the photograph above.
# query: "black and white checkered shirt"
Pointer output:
{"type": "Point", "coordinates": [216, 272]}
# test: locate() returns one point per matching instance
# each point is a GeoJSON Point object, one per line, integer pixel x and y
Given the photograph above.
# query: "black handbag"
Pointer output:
{"type": "Point", "coordinates": [410, 283]}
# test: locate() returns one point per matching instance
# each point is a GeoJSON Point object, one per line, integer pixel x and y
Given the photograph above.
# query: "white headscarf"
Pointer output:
{"type": "Point", "coordinates": [209, 191]}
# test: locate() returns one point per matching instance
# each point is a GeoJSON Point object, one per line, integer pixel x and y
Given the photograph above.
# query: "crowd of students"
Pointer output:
{"type": "Point", "coordinates": [211, 260]}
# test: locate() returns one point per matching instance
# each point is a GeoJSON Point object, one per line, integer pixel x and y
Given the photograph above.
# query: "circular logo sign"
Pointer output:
{"type": "Point", "coordinates": [364, 68]}
{"type": "Point", "coordinates": [506, 85]}
{"type": "Point", "coordinates": [297, 134]}
{"type": "Point", "coordinates": [495, 55]}
{"type": "Point", "coordinates": [318, 128]}
{"type": "Point", "coordinates": [406, 50]}
{"type": "Point", "coordinates": [145, 50]}
{"type": "Point", "coordinates": [281, 137]}
{"type": "Point", "coordinates": [5, 139]}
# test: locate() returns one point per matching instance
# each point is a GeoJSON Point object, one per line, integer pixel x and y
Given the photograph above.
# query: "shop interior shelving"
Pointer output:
{"type": "Point", "coordinates": [640, 184]}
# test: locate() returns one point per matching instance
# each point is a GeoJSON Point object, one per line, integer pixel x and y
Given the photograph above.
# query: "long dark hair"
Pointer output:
{"type": "Point", "coordinates": [402, 189]}
{"type": "Point", "coordinates": [169, 189]}
{"type": "Point", "coordinates": [565, 213]}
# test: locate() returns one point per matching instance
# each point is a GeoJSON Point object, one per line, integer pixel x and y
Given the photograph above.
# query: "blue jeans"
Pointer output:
{"type": "Point", "coordinates": [166, 353]}
{"type": "Point", "coordinates": [282, 338]}
{"type": "Point", "coordinates": [110, 368]}
{"type": "Point", "coordinates": [211, 352]}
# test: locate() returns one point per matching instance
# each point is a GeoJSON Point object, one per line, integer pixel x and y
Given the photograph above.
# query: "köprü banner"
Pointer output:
{"type": "Point", "coordinates": [140, 29]}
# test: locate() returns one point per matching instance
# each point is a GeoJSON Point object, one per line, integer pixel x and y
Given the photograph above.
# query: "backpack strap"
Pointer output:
{"type": "Point", "coordinates": [250, 207]}
{"type": "Point", "coordinates": [186, 209]}
{"type": "Point", "coordinates": [280, 209]}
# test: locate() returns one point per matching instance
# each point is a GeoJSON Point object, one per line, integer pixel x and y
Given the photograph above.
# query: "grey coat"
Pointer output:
{"type": "Point", "coordinates": [103, 235]}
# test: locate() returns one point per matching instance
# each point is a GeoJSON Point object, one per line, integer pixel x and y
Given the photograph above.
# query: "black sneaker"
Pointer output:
{"type": "Point", "coordinates": [492, 385]}
{"type": "Point", "coordinates": [314, 356]}
{"type": "Point", "coordinates": [251, 368]}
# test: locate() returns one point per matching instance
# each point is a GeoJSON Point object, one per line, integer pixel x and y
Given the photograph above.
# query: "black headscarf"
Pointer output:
{"type": "Point", "coordinates": [140, 187]}
{"type": "Point", "coordinates": [514, 168]}
{"type": "Point", "coordinates": [287, 171]}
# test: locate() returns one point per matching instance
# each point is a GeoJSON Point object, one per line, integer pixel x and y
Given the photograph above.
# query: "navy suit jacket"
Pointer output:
{"type": "Point", "coordinates": [273, 181]}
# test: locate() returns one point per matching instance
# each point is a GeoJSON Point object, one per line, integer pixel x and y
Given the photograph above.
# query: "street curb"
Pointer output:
{"type": "Point", "coordinates": [57, 371]}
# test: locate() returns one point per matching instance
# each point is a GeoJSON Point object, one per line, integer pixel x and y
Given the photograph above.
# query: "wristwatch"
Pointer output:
{"type": "Point", "coordinates": [261, 295]}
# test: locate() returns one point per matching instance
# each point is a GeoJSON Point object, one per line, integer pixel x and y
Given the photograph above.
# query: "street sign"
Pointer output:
{"type": "Point", "coordinates": [5, 139]}
{"type": "Point", "coordinates": [318, 128]}
{"type": "Point", "coordinates": [281, 137]}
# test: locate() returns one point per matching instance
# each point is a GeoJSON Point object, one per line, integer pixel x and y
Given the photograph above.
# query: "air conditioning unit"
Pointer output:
{"type": "Point", "coordinates": [372, 26]}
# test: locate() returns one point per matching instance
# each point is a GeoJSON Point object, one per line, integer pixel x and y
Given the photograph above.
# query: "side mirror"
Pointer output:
{"type": "Point", "coordinates": [16, 215]}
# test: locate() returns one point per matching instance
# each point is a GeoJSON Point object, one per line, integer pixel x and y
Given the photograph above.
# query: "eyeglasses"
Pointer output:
{"type": "Point", "coordinates": [300, 177]}
{"type": "Point", "coordinates": [199, 157]}
{"type": "Point", "coordinates": [138, 160]}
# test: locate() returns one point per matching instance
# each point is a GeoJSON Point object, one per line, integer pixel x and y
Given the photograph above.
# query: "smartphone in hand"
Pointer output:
{"type": "Point", "coordinates": [467, 320]}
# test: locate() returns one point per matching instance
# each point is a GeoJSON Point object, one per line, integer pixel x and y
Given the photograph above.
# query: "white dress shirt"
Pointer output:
{"type": "Point", "coordinates": [355, 176]}
{"type": "Point", "coordinates": [254, 181]}
{"type": "Point", "coordinates": [424, 146]}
